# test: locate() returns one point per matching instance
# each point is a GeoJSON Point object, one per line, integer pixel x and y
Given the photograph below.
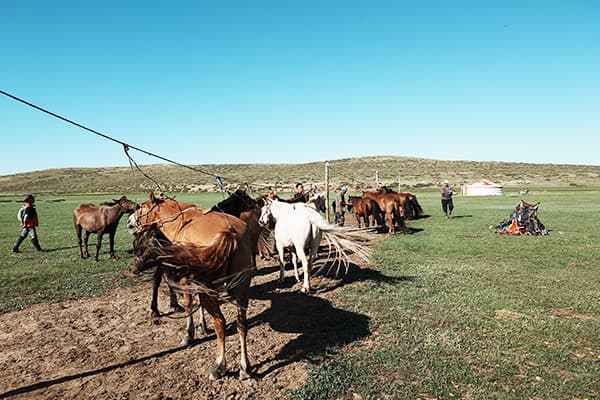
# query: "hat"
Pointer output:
{"type": "Point", "coordinates": [344, 188]}
{"type": "Point", "coordinates": [29, 199]}
{"type": "Point", "coordinates": [445, 180]}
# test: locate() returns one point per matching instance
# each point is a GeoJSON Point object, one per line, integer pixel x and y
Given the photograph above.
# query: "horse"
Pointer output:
{"type": "Point", "coordinates": [408, 202]}
{"type": "Point", "coordinates": [100, 220]}
{"type": "Point", "coordinates": [318, 202]}
{"type": "Point", "coordinates": [210, 250]}
{"type": "Point", "coordinates": [364, 208]}
{"type": "Point", "coordinates": [301, 227]}
{"type": "Point", "coordinates": [391, 207]}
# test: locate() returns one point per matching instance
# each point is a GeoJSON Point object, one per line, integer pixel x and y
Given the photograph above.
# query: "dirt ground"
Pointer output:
{"type": "Point", "coordinates": [109, 347]}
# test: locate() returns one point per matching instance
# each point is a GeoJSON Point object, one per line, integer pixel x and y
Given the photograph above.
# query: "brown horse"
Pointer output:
{"type": "Point", "coordinates": [390, 205]}
{"type": "Point", "coordinates": [100, 220]}
{"type": "Point", "coordinates": [362, 208]}
{"type": "Point", "coordinates": [408, 202]}
{"type": "Point", "coordinates": [216, 252]}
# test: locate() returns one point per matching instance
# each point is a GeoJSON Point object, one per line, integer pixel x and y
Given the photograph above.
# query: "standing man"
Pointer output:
{"type": "Point", "coordinates": [28, 219]}
{"type": "Point", "coordinates": [447, 204]}
{"type": "Point", "coordinates": [300, 196]}
{"type": "Point", "coordinates": [340, 203]}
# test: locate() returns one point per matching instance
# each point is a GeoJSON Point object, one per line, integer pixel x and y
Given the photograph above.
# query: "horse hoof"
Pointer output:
{"type": "Point", "coordinates": [245, 375]}
{"type": "Point", "coordinates": [186, 341]}
{"type": "Point", "coordinates": [155, 314]}
{"type": "Point", "coordinates": [217, 373]}
{"type": "Point", "coordinates": [305, 290]}
{"type": "Point", "coordinates": [177, 309]}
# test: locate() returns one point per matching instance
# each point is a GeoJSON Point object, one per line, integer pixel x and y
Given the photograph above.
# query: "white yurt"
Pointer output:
{"type": "Point", "coordinates": [483, 188]}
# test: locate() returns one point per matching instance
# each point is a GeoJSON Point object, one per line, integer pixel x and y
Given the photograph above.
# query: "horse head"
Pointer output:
{"type": "Point", "coordinates": [266, 216]}
{"type": "Point", "coordinates": [319, 202]}
{"type": "Point", "coordinates": [127, 206]}
{"type": "Point", "coordinates": [146, 215]}
{"type": "Point", "coordinates": [238, 202]}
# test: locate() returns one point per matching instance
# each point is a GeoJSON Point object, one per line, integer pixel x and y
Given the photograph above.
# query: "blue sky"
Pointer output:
{"type": "Point", "coordinates": [276, 81]}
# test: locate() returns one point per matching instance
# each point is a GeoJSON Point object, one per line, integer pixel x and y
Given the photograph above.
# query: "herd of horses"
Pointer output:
{"type": "Point", "coordinates": [385, 208]}
{"type": "Point", "coordinates": [210, 253]}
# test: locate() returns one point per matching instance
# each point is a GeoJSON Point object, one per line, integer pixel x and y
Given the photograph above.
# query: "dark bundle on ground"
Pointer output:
{"type": "Point", "coordinates": [522, 221]}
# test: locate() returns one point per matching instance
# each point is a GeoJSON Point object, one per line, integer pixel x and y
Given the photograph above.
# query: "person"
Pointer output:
{"type": "Point", "coordinates": [340, 203]}
{"type": "Point", "coordinates": [272, 194]}
{"type": "Point", "coordinates": [300, 196]}
{"type": "Point", "coordinates": [447, 204]}
{"type": "Point", "coordinates": [28, 219]}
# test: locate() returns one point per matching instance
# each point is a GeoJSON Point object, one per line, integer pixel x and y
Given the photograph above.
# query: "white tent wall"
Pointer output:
{"type": "Point", "coordinates": [483, 188]}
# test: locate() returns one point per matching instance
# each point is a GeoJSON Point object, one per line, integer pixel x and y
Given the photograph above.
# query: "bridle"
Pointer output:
{"type": "Point", "coordinates": [160, 221]}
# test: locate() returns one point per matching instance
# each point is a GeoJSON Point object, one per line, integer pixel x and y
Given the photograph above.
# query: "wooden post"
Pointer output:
{"type": "Point", "coordinates": [327, 212]}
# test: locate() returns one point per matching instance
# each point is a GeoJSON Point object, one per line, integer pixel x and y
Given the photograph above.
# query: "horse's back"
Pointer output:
{"type": "Point", "coordinates": [201, 229]}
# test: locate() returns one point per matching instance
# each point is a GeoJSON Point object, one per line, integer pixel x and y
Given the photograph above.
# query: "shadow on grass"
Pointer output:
{"type": "Point", "coordinates": [323, 328]}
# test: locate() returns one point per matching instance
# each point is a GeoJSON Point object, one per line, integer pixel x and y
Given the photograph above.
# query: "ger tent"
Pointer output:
{"type": "Point", "coordinates": [483, 188]}
{"type": "Point", "coordinates": [522, 221]}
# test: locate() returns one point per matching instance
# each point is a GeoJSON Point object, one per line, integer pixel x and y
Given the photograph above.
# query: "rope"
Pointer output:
{"type": "Point", "coordinates": [125, 145]}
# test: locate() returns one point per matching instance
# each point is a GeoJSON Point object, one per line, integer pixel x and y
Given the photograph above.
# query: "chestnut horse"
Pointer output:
{"type": "Point", "coordinates": [100, 220]}
{"type": "Point", "coordinates": [391, 206]}
{"type": "Point", "coordinates": [364, 208]}
{"type": "Point", "coordinates": [408, 201]}
{"type": "Point", "coordinates": [215, 250]}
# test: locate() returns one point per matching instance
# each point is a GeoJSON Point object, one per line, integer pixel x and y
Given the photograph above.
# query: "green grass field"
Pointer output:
{"type": "Point", "coordinates": [455, 310]}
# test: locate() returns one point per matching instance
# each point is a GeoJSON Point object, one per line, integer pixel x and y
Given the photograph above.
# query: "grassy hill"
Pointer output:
{"type": "Point", "coordinates": [359, 173]}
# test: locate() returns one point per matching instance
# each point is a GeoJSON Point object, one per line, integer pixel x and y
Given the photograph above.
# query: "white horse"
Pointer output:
{"type": "Point", "coordinates": [301, 226]}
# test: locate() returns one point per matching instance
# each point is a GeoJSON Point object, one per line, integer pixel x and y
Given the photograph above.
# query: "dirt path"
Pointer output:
{"type": "Point", "coordinates": [108, 347]}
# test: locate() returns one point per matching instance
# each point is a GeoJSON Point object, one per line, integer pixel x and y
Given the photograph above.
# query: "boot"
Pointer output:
{"type": "Point", "coordinates": [15, 248]}
{"type": "Point", "coordinates": [36, 244]}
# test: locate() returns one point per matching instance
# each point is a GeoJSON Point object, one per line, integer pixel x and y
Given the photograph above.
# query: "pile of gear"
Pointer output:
{"type": "Point", "coordinates": [522, 221]}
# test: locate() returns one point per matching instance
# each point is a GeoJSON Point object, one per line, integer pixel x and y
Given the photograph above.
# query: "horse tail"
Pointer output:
{"type": "Point", "coordinates": [377, 213]}
{"type": "Point", "coordinates": [216, 254]}
{"type": "Point", "coordinates": [344, 241]}
{"type": "Point", "coordinates": [189, 255]}
{"type": "Point", "coordinates": [399, 211]}
{"type": "Point", "coordinates": [416, 206]}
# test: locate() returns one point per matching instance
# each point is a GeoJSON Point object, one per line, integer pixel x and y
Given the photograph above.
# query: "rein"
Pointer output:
{"type": "Point", "coordinates": [163, 221]}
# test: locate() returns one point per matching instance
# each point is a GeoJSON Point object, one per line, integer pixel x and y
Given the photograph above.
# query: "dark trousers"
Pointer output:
{"type": "Point", "coordinates": [340, 218]}
{"type": "Point", "coordinates": [27, 231]}
{"type": "Point", "coordinates": [447, 206]}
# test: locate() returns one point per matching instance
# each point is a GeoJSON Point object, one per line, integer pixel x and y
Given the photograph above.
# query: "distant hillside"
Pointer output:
{"type": "Point", "coordinates": [358, 173]}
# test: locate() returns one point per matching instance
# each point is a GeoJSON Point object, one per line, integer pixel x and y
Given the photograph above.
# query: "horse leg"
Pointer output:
{"type": "Point", "coordinates": [173, 303]}
{"type": "Point", "coordinates": [79, 242]}
{"type": "Point", "coordinates": [281, 261]}
{"type": "Point", "coordinates": [98, 244]}
{"type": "Point", "coordinates": [187, 306]}
{"type": "Point", "coordinates": [305, 268]}
{"type": "Point", "coordinates": [156, 279]}
{"type": "Point", "coordinates": [295, 264]}
{"type": "Point", "coordinates": [242, 329]}
{"type": "Point", "coordinates": [111, 237]}
{"type": "Point", "coordinates": [389, 219]}
{"type": "Point", "coordinates": [86, 236]}
{"type": "Point", "coordinates": [212, 307]}
{"type": "Point", "coordinates": [202, 324]}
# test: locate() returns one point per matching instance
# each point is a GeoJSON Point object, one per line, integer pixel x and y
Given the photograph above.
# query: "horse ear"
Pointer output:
{"type": "Point", "coordinates": [151, 197]}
